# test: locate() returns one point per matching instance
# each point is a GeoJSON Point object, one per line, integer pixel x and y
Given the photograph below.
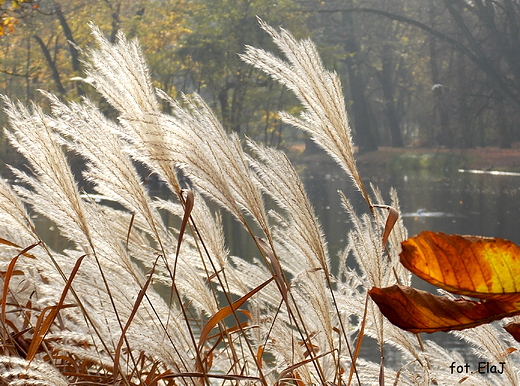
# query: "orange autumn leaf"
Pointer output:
{"type": "Point", "coordinates": [484, 268]}
{"type": "Point", "coordinates": [419, 311]}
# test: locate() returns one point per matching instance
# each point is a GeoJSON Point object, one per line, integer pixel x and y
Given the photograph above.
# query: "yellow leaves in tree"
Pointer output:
{"type": "Point", "coordinates": [8, 9]}
{"type": "Point", "coordinates": [7, 24]}
{"type": "Point", "coordinates": [484, 268]}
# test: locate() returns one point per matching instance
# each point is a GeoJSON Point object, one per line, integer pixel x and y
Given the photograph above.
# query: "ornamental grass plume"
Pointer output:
{"type": "Point", "coordinates": [97, 313]}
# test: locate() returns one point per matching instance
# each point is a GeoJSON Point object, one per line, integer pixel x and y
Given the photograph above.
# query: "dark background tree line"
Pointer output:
{"type": "Point", "coordinates": [415, 72]}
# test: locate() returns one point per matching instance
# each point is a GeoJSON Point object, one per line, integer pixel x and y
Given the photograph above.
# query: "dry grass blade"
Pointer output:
{"type": "Point", "coordinates": [222, 334]}
{"type": "Point", "coordinates": [278, 273]}
{"type": "Point", "coordinates": [228, 377]}
{"type": "Point", "coordinates": [152, 374]}
{"type": "Point", "coordinates": [226, 311]}
{"type": "Point", "coordinates": [207, 360]}
{"type": "Point", "coordinates": [43, 325]}
{"type": "Point", "coordinates": [259, 354]}
{"type": "Point", "coordinates": [291, 368]}
{"type": "Point", "coordinates": [137, 303]}
{"type": "Point", "coordinates": [24, 250]}
{"type": "Point", "coordinates": [130, 228]}
{"type": "Point", "coordinates": [393, 216]}
{"type": "Point", "coordinates": [382, 372]}
{"type": "Point", "coordinates": [188, 207]}
{"type": "Point", "coordinates": [9, 274]}
{"type": "Point", "coordinates": [358, 344]}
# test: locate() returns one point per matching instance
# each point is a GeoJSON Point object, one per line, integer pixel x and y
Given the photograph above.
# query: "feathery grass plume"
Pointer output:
{"type": "Point", "coordinates": [218, 166]}
{"type": "Point", "coordinates": [193, 139]}
{"type": "Point", "coordinates": [365, 244]}
{"type": "Point", "coordinates": [13, 212]}
{"type": "Point", "coordinates": [205, 250]}
{"type": "Point", "coordinates": [19, 372]}
{"type": "Point", "coordinates": [94, 137]}
{"type": "Point", "coordinates": [214, 160]}
{"type": "Point", "coordinates": [319, 91]}
{"type": "Point", "coordinates": [33, 136]}
{"type": "Point", "coordinates": [119, 72]}
{"type": "Point", "coordinates": [115, 176]}
{"type": "Point", "coordinates": [398, 234]}
{"type": "Point", "coordinates": [299, 240]}
{"type": "Point", "coordinates": [145, 130]}
{"type": "Point", "coordinates": [113, 258]}
{"type": "Point", "coordinates": [86, 131]}
{"type": "Point", "coordinates": [53, 191]}
{"type": "Point", "coordinates": [280, 181]}
{"type": "Point", "coordinates": [55, 194]}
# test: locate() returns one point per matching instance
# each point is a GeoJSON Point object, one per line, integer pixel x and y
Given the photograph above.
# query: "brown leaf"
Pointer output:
{"type": "Point", "coordinates": [358, 343]}
{"type": "Point", "coordinates": [514, 330]}
{"type": "Point", "coordinates": [484, 268]}
{"type": "Point", "coordinates": [419, 311]}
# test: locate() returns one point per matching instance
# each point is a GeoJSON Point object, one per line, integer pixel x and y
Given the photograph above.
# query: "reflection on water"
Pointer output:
{"type": "Point", "coordinates": [422, 213]}
{"type": "Point", "coordinates": [492, 172]}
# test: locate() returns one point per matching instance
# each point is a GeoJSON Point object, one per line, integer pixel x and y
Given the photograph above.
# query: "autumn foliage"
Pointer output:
{"type": "Point", "coordinates": [487, 269]}
{"type": "Point", "coordinates": [11, 11]}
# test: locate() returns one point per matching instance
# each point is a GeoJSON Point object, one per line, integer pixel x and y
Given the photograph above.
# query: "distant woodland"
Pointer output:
{"type": "Point", "coordinates": [437, 73]}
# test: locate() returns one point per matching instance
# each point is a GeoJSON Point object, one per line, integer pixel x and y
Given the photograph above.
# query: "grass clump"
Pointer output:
{"type": "Point", "coordinates": [90, 315]}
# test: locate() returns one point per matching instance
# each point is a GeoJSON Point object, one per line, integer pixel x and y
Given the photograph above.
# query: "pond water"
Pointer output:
{"type": "Point", "coordinates": [449, 200]}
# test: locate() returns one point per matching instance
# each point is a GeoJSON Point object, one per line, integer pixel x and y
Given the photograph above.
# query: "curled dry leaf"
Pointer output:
{"type": "Point", "coordinates": [419, 311]}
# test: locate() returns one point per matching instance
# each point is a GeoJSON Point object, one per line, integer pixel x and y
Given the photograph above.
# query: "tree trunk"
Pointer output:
{"type": "Point", "coordinates": [224, 106]}
{"type": "Point", "coordinates": [74, 55]}
{"type": "Point", "coordinates": [54, 70]}
{"type": "Point", "coordinates": [465, 121]}
{"type": "Point", "coordinates": [504, 136]}
{"type": "Point", "coordinates": [388, 94]}
{"type": "Point", "coordinates": [364, 135]}
{"type": "Point", "coordinates": [445, 136]}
